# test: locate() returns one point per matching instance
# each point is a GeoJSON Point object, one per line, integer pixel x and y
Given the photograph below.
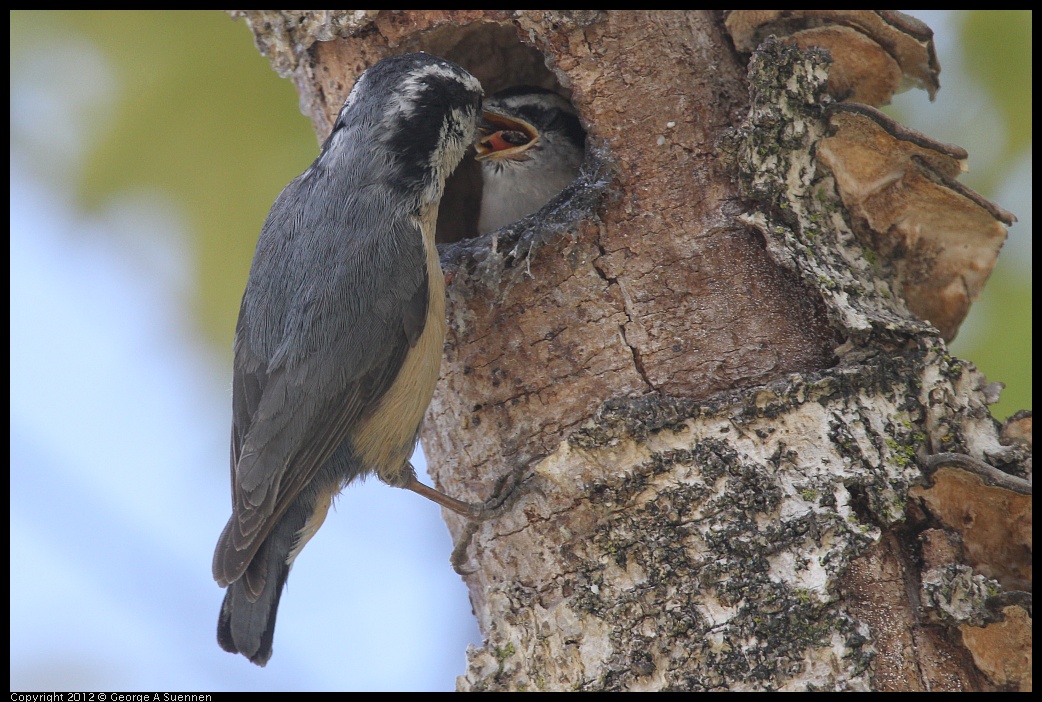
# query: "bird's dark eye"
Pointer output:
{"type": "Point", "coordinates": [515, 138]}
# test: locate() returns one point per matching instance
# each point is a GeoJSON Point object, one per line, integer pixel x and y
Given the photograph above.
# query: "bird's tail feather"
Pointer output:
{"type": "Point", "coordinates": [246, 624]}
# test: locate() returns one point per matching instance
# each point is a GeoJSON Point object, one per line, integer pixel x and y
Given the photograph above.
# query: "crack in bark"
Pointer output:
{"type": "Point", "coordinates": [638, 361]}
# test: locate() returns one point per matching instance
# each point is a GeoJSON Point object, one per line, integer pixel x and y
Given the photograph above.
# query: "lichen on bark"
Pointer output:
{"type": "Point", "coordinates": [674, 543]}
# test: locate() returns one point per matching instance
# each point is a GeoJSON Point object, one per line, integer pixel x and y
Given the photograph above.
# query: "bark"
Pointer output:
{"type": "Point", "coordinates": [737, 457]}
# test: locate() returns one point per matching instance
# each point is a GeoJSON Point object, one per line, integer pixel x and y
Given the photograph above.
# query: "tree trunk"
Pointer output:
{"type": "Point", "coordinates": [712, 375]}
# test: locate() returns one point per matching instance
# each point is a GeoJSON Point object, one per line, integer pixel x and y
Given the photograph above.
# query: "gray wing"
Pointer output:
{"type": "Point", "coordinates": [324, 327]}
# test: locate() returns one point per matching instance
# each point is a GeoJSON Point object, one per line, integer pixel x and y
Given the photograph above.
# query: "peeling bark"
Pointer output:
{"type": "Point", "coordinates": [707, 372]}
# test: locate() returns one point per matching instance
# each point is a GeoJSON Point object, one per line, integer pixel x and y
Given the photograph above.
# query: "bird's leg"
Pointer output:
{"type": "Point", "coordinates": [467, 509]}
{"type": "Point", "coordinates": [475, 511]}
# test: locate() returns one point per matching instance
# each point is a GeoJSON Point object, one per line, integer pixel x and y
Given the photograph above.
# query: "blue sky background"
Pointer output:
{"type": "Point", "coordinates": [119, 433]}
{"type": "Point", "coordinates": [119, 428]}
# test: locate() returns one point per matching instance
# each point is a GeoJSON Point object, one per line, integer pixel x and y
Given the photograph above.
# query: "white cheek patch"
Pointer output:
{"type": "Point", "coordinates": [457, 132]}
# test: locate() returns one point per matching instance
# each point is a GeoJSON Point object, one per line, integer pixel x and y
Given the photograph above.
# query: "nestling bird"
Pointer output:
{"type": "Point", "coordinates": [341, 327]}
{"type": "Point", "coordinates": [531, 149]}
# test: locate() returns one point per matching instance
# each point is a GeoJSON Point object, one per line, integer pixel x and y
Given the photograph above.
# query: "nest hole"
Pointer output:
{"type": "Point", "coordinates": [493, 53]}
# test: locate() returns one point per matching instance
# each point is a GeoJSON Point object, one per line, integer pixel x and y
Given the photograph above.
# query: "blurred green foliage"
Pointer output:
{"type": "Point", "coordinates": [997, 56]}
{"type": "Point", "coordinates": [202, 116]}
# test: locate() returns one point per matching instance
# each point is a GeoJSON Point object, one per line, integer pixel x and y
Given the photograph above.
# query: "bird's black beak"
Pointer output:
{"type": "Point", "coordinates": [500, 136]}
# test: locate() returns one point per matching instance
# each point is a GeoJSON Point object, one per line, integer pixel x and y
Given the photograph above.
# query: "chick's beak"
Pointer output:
{"type": "Point", "coordinates": [500, 136]}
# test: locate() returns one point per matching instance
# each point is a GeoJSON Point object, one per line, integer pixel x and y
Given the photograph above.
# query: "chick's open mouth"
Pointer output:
{"type": "Point", "coordinates": [500, 136]}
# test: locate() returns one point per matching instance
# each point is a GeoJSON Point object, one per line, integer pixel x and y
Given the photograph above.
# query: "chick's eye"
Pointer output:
{"type": "Point", "coordinates": [515, 138]}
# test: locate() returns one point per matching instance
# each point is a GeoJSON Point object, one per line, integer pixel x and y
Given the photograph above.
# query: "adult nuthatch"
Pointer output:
{"type": "Point", "coordinates": [531, 149]}
{"type": "Point", "coordinates": [340, 332]}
